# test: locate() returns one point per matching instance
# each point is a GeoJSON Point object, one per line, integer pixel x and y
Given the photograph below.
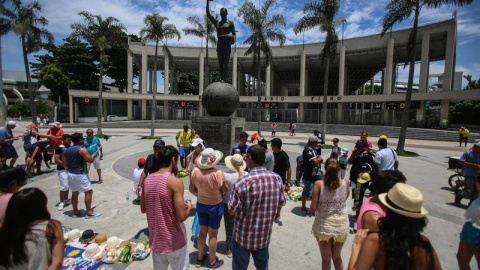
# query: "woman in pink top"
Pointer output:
{"type": "Point", "coordinates": [372, 209]}
{"type": "Point", "coordinates": [12, 180]}
{"type": "Point", "coordinates": [208, 184]}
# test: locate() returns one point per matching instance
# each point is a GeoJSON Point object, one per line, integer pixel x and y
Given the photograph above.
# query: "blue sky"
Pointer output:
{"type": "Point", "coordinates": [363, 17]}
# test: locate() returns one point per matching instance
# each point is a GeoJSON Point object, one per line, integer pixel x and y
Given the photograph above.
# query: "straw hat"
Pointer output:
{"type": "Point", "coordinates": [92, 250]}
{"type": "Point", "coordinates": [232, 162]}
{"type": "Point", "coordinates": [113, 242]}
{"type": "Point", "coordinates": [404, 200]}
{"type": "Point", "coordinates": [209, 158]}
{"type": "Point", "coordinates": [101, 239]}
{"type": "Point", "coordinates": [55, 124]}
{"type": "Point", "coordinates": [74, 234]}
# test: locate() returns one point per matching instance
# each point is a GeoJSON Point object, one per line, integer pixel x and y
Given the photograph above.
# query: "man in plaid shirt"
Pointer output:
{"type": "Point", "coordinates": [256, 202]}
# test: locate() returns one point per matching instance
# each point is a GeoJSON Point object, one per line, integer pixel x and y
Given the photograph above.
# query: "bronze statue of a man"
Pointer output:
{"type": "Point", "coordinates": [225, 36]}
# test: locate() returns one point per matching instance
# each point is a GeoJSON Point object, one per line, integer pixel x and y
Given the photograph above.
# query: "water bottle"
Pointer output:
{"type": "Point", "coordinates": [127, 198]}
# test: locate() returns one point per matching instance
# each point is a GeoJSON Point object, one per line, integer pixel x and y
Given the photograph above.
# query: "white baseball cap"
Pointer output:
{"type": "Point", "coordinates": [198, 141]}
{"type": "Point", "coordinates": [12, 123]}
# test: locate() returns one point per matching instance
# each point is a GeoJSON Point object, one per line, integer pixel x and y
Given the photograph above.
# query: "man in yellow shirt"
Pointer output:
{"type": "Point", "coordinates": [185, 136]}
{"type": "Point", "coordinates": [463, 132]}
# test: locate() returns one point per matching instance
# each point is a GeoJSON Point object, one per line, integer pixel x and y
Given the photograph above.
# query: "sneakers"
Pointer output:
{"type": "Point", "coordinates": [216, 264]}
{"type": "Point", "coordinates": [60, 206]}
{"type": "Point", "coordinates": [200, 262]}
{"type": "Point", "coordinates": [229, 253]}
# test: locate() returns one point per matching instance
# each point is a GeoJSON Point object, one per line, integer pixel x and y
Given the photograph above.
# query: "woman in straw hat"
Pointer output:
{"type": "Point", "coordinates": [398, 244]}
{"type": "Point", "coordinates": [35, 240]}
{"type": "Point", "coordinates": [236, 169]}
{"type": "Point", "coordinates": [208, 184]}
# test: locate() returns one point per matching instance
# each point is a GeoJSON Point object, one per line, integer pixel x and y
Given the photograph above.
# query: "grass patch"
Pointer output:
{"type": "Point", "coordinates": [407, 154]}
{"type": "Point", "coordinates": [151, 138]}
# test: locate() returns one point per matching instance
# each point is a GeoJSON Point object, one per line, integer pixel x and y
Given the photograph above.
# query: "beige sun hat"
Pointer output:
{"type": "Point", "coordinates": [209, 158]}
{"type": "Point", "coordinates": [113, 242]}
{"type": "Point", "coordinates": [74, 234]}
{"type": "Point", "coordinates": [405, 200]}
{"type": "Point", "coordinates": [92, 250]}
{"type": "Point", "coordinates": [55, 124]}
{"type": "Point", "coordinates": [101, 239]}
{"type": "Point", "coordinates": [232, 162]}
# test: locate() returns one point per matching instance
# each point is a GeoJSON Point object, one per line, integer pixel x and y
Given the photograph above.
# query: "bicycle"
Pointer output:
{"type": "Point", "coordinates": [456, 181]}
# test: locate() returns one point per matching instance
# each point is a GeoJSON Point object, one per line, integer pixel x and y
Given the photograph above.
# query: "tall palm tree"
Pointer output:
{"type": "Point", "coordinates": [207, 31]}
{"type": "Point", "coordinates": [26, 22]}
{"type": "Point", "coordinates": [101, 34]}
{"type": "Point", "coordinates": [322, 14]}
{"type": "Point", "coordinates": [399, 10]}
{"type": "Point", "coordinates": [157, 31]}
{"type": "Point", "coordinates": [264, 29]}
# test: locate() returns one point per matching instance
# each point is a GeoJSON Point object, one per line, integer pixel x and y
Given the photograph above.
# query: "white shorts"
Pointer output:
{"type": "Point", "coordinates": [96, 163]}
{"type": "Point", "coordinates": [178, 260]}
{"type": "Point", "coordinates": [63, 176]}
{"type": "Point", "coordinates": [79, 182]}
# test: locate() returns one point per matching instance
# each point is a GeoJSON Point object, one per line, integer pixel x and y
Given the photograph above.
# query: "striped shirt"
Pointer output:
{"type": "Point", "coordinates": [165, 232]}
{"type": "Point", "coordinates": [255, 200]}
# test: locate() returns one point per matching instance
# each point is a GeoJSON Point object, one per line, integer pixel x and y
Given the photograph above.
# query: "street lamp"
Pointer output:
{"type": "Point", "coordinates": [343, 20]}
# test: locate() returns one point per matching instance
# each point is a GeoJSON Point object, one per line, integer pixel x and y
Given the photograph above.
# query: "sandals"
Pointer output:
{"type": "Point", "coordinates": [100, 181]}
{"type": "Point", "coordinates": [216, 264]}
{"type": "Point", "coordinates": [200, 262]}
{"type": "Point", "coordinates": [93, 215]}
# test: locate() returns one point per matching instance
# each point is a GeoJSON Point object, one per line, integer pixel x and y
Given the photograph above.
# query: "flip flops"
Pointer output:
{"type": "Point", "coordinates": [77, 215]}
{"type": "Point", "coordinates": [100, 181]}
{"type": "Point", "coordinates": [94, 215]}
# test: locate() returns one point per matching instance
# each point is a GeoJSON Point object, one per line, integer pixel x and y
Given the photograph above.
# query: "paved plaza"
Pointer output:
{"type": "Point", "coordinates": [292, 244]}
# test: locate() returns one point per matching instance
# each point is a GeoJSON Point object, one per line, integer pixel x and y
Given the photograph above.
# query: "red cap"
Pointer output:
{"type": "Point", "coordinates": [142, 161]}
{"type": "Point", "coordinates": [254, 137]}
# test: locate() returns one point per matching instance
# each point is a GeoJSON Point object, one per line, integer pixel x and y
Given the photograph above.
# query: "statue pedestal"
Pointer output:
{"type": "Point", "coordinates": [219, 132]}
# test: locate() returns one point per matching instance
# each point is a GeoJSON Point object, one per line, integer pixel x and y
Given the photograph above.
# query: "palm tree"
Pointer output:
{"type": "Point", "coordinates": [208, 32]}
{"type": "Point", "coordinates": [26, 22]}
{"type": "Point", "coordinates": [157, 31]}
{"type": "Point", "coordinates": [101, 34]}
{"type": "Point", "coordinates": [399, 10]}
{"type": "Point", "coordinates": [264, 29]}
{"type": "Point", "coordinates": [322, 14]}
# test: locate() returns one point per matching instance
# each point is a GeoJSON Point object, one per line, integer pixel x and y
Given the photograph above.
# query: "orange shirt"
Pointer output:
{"type": "Point", "coordinates": [208, 183]}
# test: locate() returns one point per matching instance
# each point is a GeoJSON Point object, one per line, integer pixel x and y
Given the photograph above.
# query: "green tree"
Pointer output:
{"type": "Point", "coordinates": [101, 34]}
{"type": "Point", "coordinates": [264, 29]}
{"type": "Point", "coordinates": [26, 22]}
{"type": "Point", "coordinates": [157, 30]}
{"type": "Point", "coordinates": [397, 11]}
{"type": "Point", "coordinates": [322, 14]}
{"type": "Point", "coordinates": [472, 84]}
{"type": "Point", "coordinates": [67, 66]}
{"type": "Point", "coordinates": [117, 67]}
{"type": "Point", "coordinates": [207, 31]}
{"type": "Point", "coordinates": [188, 83]}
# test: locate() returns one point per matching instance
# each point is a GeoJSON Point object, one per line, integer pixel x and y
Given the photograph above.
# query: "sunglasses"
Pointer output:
{"type": "Point", "coordinates": [89, 132]}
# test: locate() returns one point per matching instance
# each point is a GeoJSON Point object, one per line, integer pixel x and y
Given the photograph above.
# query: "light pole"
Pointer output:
{"type": "Point", "coordinates": [343, 20]}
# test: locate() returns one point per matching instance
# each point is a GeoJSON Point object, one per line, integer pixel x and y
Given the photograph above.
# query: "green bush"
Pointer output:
{"type": "Point", "coordinates": [23, 109]}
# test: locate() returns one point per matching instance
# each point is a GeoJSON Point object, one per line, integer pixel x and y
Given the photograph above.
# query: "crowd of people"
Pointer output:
{"type": "Point", "coordinates": [249, 197]}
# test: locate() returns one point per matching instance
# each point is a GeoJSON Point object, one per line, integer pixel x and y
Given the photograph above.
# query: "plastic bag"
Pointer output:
{"type": "Point", "coordinates": [141, 250]}
{"type": "Point", "coordinates": [196, 226]}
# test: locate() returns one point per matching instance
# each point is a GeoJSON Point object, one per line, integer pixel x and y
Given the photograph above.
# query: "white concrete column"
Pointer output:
{"type": "Point", "coordinates": [165, 109]}
{"type": "Point", "coordinates": [201, 82]}
{"type": "Point", "coordinates": [387, 89]}
{"type": "Point", "coordinates": [301, 106]}
{"type": "Point", "coordinates": [268, 80]}
{"type": "Point", "coordinates": [445, 106]}
{"type": "Point", "coordinates": [144, 109]}
{"type": "Point", "coordinates": [129, 109]}
{"type": "Point", "coordinates": [425, 63]}
{"type": "Point", "coordinates": [76, 112]}
{"type": "Point", "coordinates": [70, 108]}
{"type": "Point", "coordinates": [249, 86]}
{"type": "Point", "coordinates": [166, 82]}
{"type": "Point", "coordinates": [421, 112]}
{"type": "Point", "coordinates": [339, 113]}
{"type": "Point", "coordinates": [143, 74]}
{"type": "Point", "coordinates": [129, 73]}
{"type": "Point", "coordinates": [341, 76]}
{"type": "Point", "coordinates": [235, 70]}
{"type": "Point", "coordinates": [449, 59]}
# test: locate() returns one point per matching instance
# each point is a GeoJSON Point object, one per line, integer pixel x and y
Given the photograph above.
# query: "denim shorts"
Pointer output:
{"type": "Point", "coordinates": [470, 235]}
{"type": "Point", "coordinates": [210, 215]}
{"type": "Point", "coordinates": [241, 257]}
{"type": "Point", "coordinates": [307, 187]}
